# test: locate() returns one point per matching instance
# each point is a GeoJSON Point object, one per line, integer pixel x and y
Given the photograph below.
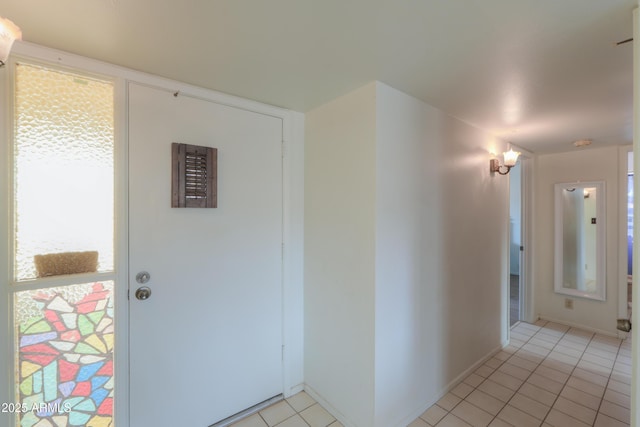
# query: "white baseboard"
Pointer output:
{"type": "Point", "coordinates": [447, 388]}
{"type": "Point", "coordinates": [326, 405]}
{"type": "Point", "coordinates": [294, 390]}
{"type": "Point", "coordinates": [418, 411]}
{"type": "Point", "coordinates": [579, 326]}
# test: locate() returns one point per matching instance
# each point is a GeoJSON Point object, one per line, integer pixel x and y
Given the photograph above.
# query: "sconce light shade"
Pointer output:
{"type": "Point", "coordinates": [9, 32]}
{"type": "Point", "coordinates": [510, 160]}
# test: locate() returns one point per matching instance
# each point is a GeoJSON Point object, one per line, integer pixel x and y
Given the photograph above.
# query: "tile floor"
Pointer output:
{"type": "Point", "coordinates": [550, 375]}
{"type": "Point", "coordinates": [299, 410]}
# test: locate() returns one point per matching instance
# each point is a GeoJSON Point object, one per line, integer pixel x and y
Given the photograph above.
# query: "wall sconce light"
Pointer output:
{"type": "Point", "coordinates": [9, 32]}
{"type": "Point", "coordinates": [510, 159]}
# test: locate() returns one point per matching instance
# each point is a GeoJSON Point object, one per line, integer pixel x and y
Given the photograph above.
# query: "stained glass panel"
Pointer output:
{"type": "Point", "coordinates": [65, 338]}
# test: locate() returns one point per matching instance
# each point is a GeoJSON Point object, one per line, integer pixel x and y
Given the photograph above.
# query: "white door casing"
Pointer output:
{"type": "Point", "coordinates": [208, 342]}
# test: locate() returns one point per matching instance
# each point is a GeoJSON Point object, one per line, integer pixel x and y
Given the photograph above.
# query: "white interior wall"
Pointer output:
{"type": "Point", "coordinates": [410, 193]}
{"type": "Point", "coordinates": [409, 318]}
{"type": "Point", "coordinates": [441, 244]}
{"type": "Point", "coordinates": [339, 231]}
{"type": "Point", "coordinates": [585, 165]}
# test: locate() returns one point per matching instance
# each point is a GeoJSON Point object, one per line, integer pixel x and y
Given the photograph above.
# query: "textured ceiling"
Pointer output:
{"type": "Point", "coordinates": [539, 73]}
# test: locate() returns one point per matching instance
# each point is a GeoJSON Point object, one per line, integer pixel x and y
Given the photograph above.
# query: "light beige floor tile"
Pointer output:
{"type": "Point", "coordinates": [590, 377]}
{"type": "Point", "coordinates": [523, 363]}
{"type": "Point", "coordinates": [595, 345]}
{"type": "Point", "coordinates": [560, 419]}
{"type": "Point", "coordinates": [485, 402]}
{"type": "Point", "coordinates": [619, 386]}
{"type": "Point", "coordinates": [452, 421]}
{"type": "Point", "coordinates": [579, 333]}
{"type": "Point", "coordinates": [338, 424]}
{"type": "Point", "coordinates": [473, 380]}
{"type": "Point", "coordinates": [615, 411]}
{"type": "Point", "coordinates": [539, 395]}
{"type": "Point", "coordinates": [518, 418]}
{"type": "Point", "coordinates": [592, 367]}
{"type": "Point", "coordinates": [526, 328]}
{"type": "Point", "coordinates": [515, 371]}
{"type": "Point", "coordinates": [558, 365]}
{"type": "Point", "coordinates": [300, 401]}
{"type": "Point", "coordinates": [598, 360]}
{"type": "Point", "coordinates": [604, 421]}
{"type": "Point", "coordinates": [433, 415]}
{"type": "Point", "coordinates": [617, 398]}
{"type": "Point", "coordinates": [462, 390]}
{"type": "Point", "coordinates": [493, 363]}
{"type": "Point", "coordinates": [602, 353]}
{"type": "Point", "coordinates": [448, 401]}
{"type": "Point", "coordinates": [497, 422]}
{"type": "Point", "coordinates": [277, 413]}
{"type": "Point", "coordinates": [535, 358]}
{"type": "Point", "coordinates": [623, 378]}
{"type": "Point", "coordinates": [516, 342]}
{"type": "Point", "coordinates": [484, 371]}
{"type": "Point", "coordinates": [415, 423]}
{"type": "Point", "coordinates": [626, 360]}
{"type": "Point", "coordinates": [568, 350]}
{"type": "Point", "coordinates": [530, 326]}
{"type": "Point", "coordinates": [579, 396]}
{"type": "Point", "coordinates": [530, 406]}
{"type": "Point", "coordinates": [535, 349]}
{"type": "Point", "coordinates": [294, 421]}
{"type": "Point", "coordinates": [254, 420]}
{"type": "Point", "coordinates": [317, 416]}
{"type": "Point", "coordinates": [611, 343]}
{"type": "Point", "coordinates": [573, 343]}
{"type": "Point", "coordinates": [551, 339]}
{"type": "Point", "coordinates": [510, 348]}
{"type": "Point", "coordinates": [545, 383]}
{"type": "Point", "coordinates": [506, 380]}
{"type": "Point", "coordinates": [502, 355]}
{"type": "Point", "coordinates": [545, 341]}
{"type": "Point", "coordinates": [551, 331]}
{"type": "Point", "coordinates": [586, 386]}
{"type": "Point", "coordinates": [552, 374]}
{"type": "Point", "coordinates": [561, 357]}
{"type": "Point", "coordinates": [622, 369]}
{"type": "Point", "coordinates": [496, 390]}
{"type": "Point", "coordinates": [519, 336]}
{"type": "Point", "coordinates": [556, 327]}
{"type": "Point", "coordinates": [472, 414]}
{"type": "Point", "coordinates": [582, 413]}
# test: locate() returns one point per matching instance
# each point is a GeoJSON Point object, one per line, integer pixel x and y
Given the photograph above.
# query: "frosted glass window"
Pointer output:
{"type": "Point", "coordinates": [64, 177]}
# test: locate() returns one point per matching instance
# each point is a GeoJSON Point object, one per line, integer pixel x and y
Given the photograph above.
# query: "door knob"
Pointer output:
{"type": "Point", "coordinates": [143, 277]}
{"type": "Point", "coordinates": [143, 293]}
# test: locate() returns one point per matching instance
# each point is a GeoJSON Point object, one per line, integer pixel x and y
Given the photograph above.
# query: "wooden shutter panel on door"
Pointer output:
{"type": "Point", "coordinates": [194, 176]}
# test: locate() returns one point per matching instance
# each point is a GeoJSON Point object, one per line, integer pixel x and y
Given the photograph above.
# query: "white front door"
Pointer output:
{"type": "Point", "coordinates": [207, 343]}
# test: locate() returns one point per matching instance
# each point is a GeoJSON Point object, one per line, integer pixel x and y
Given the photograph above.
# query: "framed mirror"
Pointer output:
{"type": "Point", "coordinates": [580, 244]}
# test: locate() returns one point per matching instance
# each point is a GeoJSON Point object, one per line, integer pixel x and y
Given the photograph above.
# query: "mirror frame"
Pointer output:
{"type": "Point", "coordinates": [601, 243]}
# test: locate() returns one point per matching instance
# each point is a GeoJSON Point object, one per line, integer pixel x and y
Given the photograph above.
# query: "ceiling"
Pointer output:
{"type": "Point", "coordinates": [538, 73]}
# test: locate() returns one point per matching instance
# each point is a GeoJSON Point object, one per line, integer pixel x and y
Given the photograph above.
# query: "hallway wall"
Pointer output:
{"type": "Point", "coordinates": [405, 254]}
{"type": "Point", "coordinates": [586, 165]}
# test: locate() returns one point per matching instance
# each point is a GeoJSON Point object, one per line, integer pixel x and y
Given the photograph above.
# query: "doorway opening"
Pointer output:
{"type": "Point", "coordinates": [515, 244]}
{"type": "Point", "coordinates": [629, 231]}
